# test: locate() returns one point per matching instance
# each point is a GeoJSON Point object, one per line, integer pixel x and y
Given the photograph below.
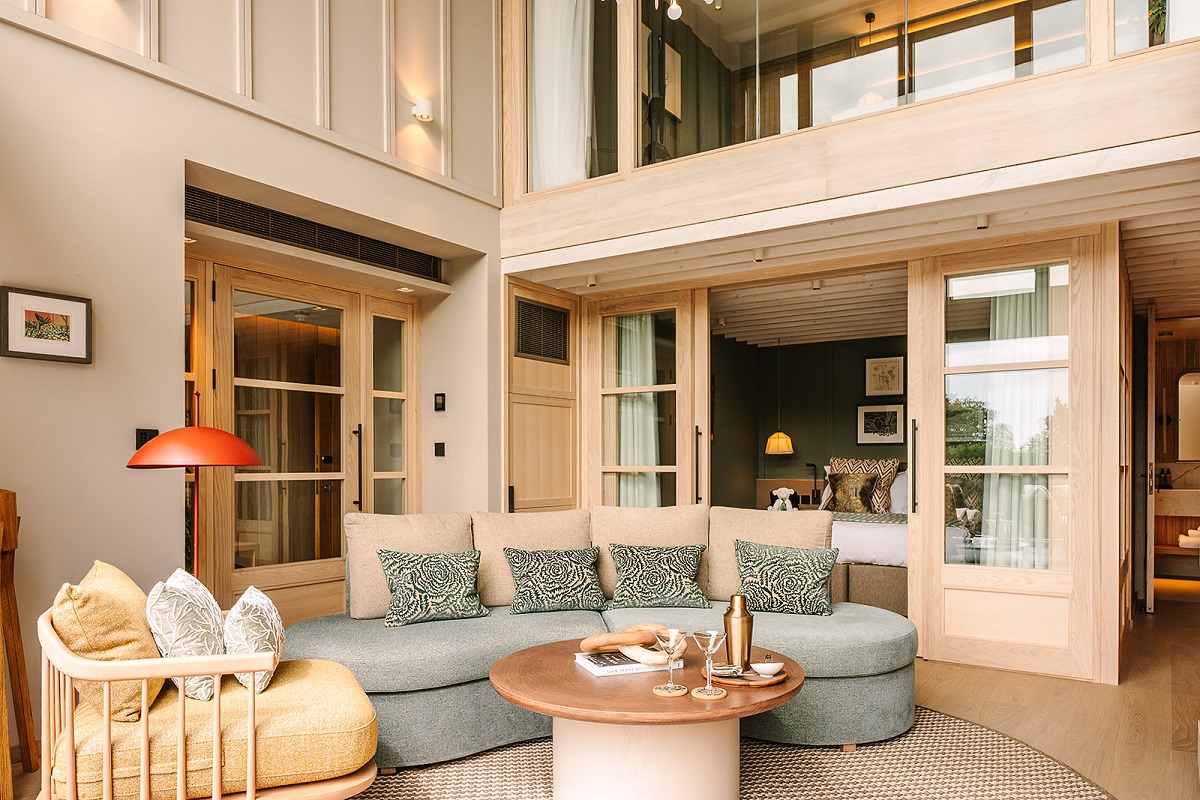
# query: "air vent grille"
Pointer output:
{"type": "Point", "coordinates": [237, 215]}
{"type": "Point", "coordinates": [543, 332]}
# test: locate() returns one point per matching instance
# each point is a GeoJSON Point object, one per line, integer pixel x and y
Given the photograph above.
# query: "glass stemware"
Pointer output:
{"type": "Point", "coordinates": [670, 640]}
{"type": "Point", "coordinates": [709, 642]}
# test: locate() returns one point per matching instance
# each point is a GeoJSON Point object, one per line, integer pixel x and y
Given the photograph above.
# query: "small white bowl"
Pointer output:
{"type": "Point", "coordinates": [767, 669]}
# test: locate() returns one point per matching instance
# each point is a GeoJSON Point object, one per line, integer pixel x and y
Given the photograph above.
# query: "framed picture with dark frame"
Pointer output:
{"type": "Point", "coordinates": [881, 424]}
{"type": "Point", "coordinates": [45, 326]}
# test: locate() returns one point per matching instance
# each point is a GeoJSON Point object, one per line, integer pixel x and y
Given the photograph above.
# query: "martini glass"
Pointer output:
{"type": "Point", "coordinates": [709, 642]}
{"type": "Point", "coordinates": [670, 640]}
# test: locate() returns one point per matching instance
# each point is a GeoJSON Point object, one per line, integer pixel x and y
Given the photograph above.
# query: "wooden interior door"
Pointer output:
{"type": "Point", "coordinates": [287, 379]}
{"type": "Point", "coordinates": [543, 399]}
{"type": "Point", "coordinates": [1005, 531]}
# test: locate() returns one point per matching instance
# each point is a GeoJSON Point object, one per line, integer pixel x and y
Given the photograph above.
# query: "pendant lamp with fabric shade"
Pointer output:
{"type": "Point", "coordinates": [779, 443]}
{"type": "Point", "coordinates": [194, 446]}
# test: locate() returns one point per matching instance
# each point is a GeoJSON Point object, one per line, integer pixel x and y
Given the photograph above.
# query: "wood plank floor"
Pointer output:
{"type": "Point", "coordinates": [1136, 740]}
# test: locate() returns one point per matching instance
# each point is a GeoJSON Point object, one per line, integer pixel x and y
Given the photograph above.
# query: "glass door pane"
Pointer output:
{"type": "Point", "coordinates": [387, 467]}
{"type": "Point", "coordinates": [1006, 427]}
{"type": "Point", "coordinates": [638, 442]}
{"type": "Point", "coordinates": [288, 397]}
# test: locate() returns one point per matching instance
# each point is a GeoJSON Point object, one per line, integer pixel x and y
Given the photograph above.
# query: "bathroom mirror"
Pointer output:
{"type": "Point", "coordinates": [1188, 424]}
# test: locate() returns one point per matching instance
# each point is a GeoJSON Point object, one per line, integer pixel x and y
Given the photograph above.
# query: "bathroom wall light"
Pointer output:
{"type": "Point", "coordinates": [423, 110]}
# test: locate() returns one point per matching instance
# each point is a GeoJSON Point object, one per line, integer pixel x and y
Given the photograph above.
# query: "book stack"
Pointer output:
{"type": "Point", "coordinates": [605, 664]}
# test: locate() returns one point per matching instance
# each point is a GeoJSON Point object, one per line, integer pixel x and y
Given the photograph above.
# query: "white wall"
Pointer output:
{"type": "Point", "coordinates": [92, 160]}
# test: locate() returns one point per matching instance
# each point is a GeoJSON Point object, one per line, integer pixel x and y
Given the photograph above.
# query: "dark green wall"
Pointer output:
{"type": "Point", "coordinates": [821, 387]}
{"type": "Point", "coordinates": [734, 423]}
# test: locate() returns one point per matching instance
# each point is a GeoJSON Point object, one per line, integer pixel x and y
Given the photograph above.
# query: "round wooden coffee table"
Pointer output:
{"type": "Point", "coordinates": [613, 737]}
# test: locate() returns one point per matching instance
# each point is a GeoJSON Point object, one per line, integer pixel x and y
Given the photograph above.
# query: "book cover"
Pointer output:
{"type": "Point", "coordinates": [605, 664]}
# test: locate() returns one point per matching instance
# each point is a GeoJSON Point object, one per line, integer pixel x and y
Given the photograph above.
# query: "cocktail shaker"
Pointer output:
{"type": "Point", "coordinates": [739, 631]}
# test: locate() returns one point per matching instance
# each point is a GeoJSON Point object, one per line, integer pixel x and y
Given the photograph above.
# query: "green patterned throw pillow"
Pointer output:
{"type": "Point", "coordinates": [555, 580]}
{"type": "Point", "coordinates": [788, 580]}
{"type": "Point", "coordinates": [431, 586]}
{"type": "Point", "coordinates": [657, 577]}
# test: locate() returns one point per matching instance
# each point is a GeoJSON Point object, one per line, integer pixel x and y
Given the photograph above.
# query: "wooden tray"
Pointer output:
{"type": "Point", "coordinates": [752, 679]}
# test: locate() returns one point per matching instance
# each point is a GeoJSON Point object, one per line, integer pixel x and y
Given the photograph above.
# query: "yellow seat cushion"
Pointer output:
{"type": "Point", "coordinates": [314, 723]}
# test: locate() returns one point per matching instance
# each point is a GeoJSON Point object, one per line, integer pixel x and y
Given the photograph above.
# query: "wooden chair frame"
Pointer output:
{"type": "Point", "coordinates": [61, 668]}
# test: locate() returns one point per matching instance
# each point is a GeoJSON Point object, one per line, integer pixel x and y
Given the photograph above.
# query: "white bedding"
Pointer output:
{"type": "Point", "coordinates": [884, 543]}
{"type": "Point", "coordinates": [881, 539]}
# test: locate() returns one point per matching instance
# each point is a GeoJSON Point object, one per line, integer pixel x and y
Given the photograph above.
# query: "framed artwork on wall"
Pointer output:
{"type": "Point", "coordinates": [45, 326]}
{"type": "Point", "coordinates": [885, 376]}
{"type": "Point", "coordinates": [881, 424]}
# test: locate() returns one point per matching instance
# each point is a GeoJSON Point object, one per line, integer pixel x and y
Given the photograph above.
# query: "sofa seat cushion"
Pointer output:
{"type": "Point", "coordinates": [432, 654]}
{"type": "Point", "coordinates": [314, 722]}
{"type": "Point", "coordinates": [853, 641]}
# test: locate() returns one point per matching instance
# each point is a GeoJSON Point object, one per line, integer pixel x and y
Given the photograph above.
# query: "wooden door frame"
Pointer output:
{"type": "Point", "coordinates": [1083, 585]}
{"type": "Point", "coordinates": [691, 362]}
{"type": "Point", "coordinates": [1151, 452]}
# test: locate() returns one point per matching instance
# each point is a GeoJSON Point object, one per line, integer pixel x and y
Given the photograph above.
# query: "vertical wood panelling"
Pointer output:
{"type": "Point", "coordinates": [512, 88]}
{"type": "Point", "coordinates": [121, 22]}
{"type": "Point", "coordinates": [202, 39]}
{"type": "Point", "coordinates": [418, 69]}
{"type": "Point", "coordinates": [472, 154]}
{"type": "Point", "coordinates": [358, 66]}
{"type": "Point", "coordinates": [283, 38]}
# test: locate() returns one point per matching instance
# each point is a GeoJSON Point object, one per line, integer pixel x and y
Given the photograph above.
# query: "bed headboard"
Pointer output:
{"type": "Point", "coordinates": [802, 486]}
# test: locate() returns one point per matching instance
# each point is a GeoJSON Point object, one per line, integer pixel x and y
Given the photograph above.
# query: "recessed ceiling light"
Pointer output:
{"type": "Point", "coordinates": [188, 240]}
{"type": "Point", "coordinates": [404, 289]}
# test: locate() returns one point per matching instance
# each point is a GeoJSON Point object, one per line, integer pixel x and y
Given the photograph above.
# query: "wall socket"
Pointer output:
{"type": "Point", "coordinates": [439, 448]}
{"type": "Point", "coordinates": [143, 435]}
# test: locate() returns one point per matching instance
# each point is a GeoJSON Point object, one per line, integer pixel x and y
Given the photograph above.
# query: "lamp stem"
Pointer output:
{"type": "Point", "coordinates": [196, 493]}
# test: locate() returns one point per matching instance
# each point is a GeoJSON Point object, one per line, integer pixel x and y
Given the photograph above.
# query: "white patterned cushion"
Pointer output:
{"type": "Point", "coordinates": [186, 621]}
{"type": "Point", "coordinates": [885, 468]}
{"type": "Point", "coordinates": [254, 626]}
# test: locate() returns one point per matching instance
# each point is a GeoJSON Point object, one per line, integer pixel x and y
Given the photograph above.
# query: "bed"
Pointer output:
{"type": "Point", "coordinates": [872, 549]}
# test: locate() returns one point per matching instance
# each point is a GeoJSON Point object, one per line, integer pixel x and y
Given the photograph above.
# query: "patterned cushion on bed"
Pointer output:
{"type": "Point", "coordinates": [786, 580]}
{"type": "Point", "coordinates": [852, 491]}
{"type": "Point", "coordinates": [885, 468]}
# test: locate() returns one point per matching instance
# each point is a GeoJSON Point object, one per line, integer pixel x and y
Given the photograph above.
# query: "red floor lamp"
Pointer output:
{"type": "Point", "coordinates": [194, 446]}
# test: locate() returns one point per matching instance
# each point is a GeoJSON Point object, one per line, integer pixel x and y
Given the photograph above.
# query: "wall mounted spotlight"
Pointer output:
{"type": "Point", "coordinates": [423, 110]}
{"type": "Point", "coordinates": [817, 284]}
{"type": "Point", "coordinates": [981, 222]}
{"type": "Point", "coordinates": [590, 281]}
{"type": "Point", "coordinates": [758, 255]}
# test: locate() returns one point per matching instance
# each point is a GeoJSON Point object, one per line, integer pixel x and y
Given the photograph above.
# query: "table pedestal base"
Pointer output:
{"type": "Point", "coordinates": [697, 762]}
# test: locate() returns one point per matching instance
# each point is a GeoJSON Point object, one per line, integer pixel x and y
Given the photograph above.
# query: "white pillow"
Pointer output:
{"type": "Point", "coordinates": [899, 504]}
{"type": "Point", "coordinates": [254, 626]}
{"type": "Point", "coordinates": [186, 621]}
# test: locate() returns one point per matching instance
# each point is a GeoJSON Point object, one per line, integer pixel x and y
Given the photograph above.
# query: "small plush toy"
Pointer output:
{"type": "Point", "coordinates": [784, 500]}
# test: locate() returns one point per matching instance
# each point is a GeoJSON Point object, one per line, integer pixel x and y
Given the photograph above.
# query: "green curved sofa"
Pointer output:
{"type": "Point", "coordinates": [429, 682]}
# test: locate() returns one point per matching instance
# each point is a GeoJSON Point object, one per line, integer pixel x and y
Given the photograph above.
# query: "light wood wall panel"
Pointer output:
{"type": "Point", "coordinates": [418, 42]}
{"type": "Point", "coordinates": [474, 137]}
{"type": "Point", "coordinates": [202, 39]}
{"type": "Point", "coordinates": [285, 38]}
{"type": "Point", "coordinates": [121, 22]}
{"type": "Point", "coordinates": [358, 69]}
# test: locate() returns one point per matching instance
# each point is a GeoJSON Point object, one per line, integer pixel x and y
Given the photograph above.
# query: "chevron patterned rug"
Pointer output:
{"type": "Point", "coordinates": [940, 758]}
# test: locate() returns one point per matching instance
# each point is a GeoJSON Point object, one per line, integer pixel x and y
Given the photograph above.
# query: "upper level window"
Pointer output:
{"type": "Point", "coordinates": [572, 99]}
{"type": "Point", "coordinates": [713, 74]}
{"type": "Point", "coordinates": [1144, 23]}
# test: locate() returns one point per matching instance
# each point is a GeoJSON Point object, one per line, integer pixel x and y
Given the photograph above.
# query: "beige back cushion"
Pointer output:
{"type": "Point", "coordinates": [805, 529]}
{"type": "Point", "coordinates": [104, 618]}
{"type": "Point", "coordinates": [367, 534]}
{"type": "Point", "coordinates": [656, 527]}
{"type": "Point", "coordinates": [541, 530]}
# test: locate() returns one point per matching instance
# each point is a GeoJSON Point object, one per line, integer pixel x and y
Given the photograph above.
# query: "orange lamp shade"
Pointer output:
{"type": "Point", "coordinates": [780, 444]}
{"type": "Point", "coordinates": [194, 446]}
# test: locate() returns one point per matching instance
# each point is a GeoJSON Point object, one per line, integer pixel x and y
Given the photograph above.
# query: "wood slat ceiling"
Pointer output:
{"type": "Point", "coordinates": [1163, 256]}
